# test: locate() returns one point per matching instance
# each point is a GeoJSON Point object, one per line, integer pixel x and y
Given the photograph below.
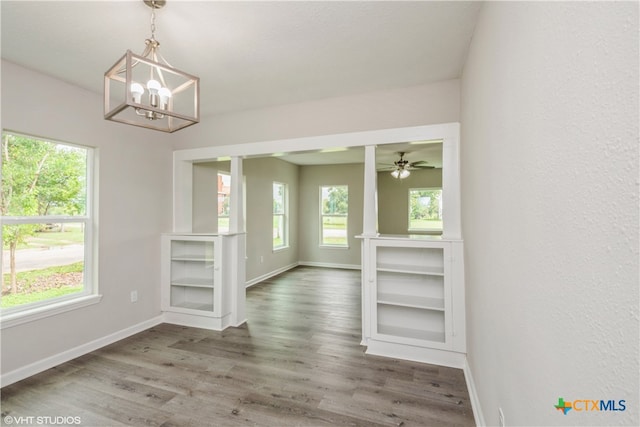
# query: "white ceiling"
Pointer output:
{"type": "Point", "coordinates": [249, 54]}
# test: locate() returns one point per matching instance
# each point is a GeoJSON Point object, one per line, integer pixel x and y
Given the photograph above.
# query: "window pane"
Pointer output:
{"type": "Point", "coordinates": [334, 230]}
{"type": "Point", "coordinates": [41, 261]}
{"type": "Point", "coordinates": [425, 209]}
{"type": "Point", "coordinates": [335, 200]}
{"type": "Point", "coordinates": [278, 231]}
{"type": "Point", "coordinates": [280, 238]}
{"type": "Point", "coordinates": [42, 178]}
{"type": "Point", "coordinates": [224, 193]}
{"type": "Point", "coordinates": [278, 198]}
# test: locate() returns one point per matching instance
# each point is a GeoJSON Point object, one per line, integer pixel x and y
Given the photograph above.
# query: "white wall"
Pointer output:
{"type": "Point", "coordinates": [550, 209]}
{"type": "Point", "coordinates": [134, 209]}
{"type": "Point", "coordinates": [412, 106]}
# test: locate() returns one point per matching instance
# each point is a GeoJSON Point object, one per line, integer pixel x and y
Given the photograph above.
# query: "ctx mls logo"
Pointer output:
{"type": "Point", "coordinates": [563, 406]}
{"type": "Point", "coordinates": [590, 405]}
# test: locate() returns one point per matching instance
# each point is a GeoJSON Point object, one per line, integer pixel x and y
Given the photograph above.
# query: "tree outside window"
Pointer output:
{"type": "Point", "coordinates": [46, 223]}
{"type": "Point", "coordinates": [334, 208]}
{"type": "Point", "coordinates": [425, 209]}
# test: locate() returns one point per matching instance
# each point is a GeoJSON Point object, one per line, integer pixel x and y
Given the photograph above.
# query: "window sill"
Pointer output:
{"type": "Point", "coordinates": [333, 247]}
{"type": "Point", "coordinates": [37, 313]}
{"type": "Point", "coordinates": [280, 249]}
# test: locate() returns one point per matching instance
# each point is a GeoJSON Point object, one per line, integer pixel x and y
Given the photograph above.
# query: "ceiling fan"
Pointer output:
{"type": "Point", "coordinates": [401, 167]}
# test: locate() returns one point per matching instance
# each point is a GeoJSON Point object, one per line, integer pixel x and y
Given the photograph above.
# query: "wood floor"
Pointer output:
{"type": "Point", "coordinates": [297, 362]}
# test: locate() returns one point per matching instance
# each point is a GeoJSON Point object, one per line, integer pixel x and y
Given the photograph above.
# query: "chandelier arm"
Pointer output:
{"type": "Point", "coordinates": [164, 60]}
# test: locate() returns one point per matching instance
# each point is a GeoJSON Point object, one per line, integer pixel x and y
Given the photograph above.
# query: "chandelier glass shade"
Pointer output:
{"type": "Point", "coordinates": [145, 90]}
{"type": "Point", "coordinates": [400, 173]}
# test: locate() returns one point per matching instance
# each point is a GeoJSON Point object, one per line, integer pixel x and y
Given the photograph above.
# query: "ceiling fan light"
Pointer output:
{"type": "Point", "coordinates": [395, 173]}
{"type": "Point", "coordinates": [404, 173]}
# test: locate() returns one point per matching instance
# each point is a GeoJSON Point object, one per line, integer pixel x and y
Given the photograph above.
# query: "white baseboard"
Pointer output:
{"type": "Point", "coordinates": [57, 359]}
{"type": "Point", "coordinates": [473, 395]}
{"type": "Point", "coordinates": [269, 275]}
{"type": "Point", "coordinates": [451, 359]}
{"type": "Point", "coordinates": [330, 265]}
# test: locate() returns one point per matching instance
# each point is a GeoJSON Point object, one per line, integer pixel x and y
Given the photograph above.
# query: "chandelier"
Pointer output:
{"type": "Point", "coordinates": [145, 90]}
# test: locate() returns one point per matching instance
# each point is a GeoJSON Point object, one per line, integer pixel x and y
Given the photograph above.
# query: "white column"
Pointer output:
{"type": "Point", "coordinates": [236, 208]}
{"type": "Point", "coordinates": [370, 211]}
{"type": "Point", "coordinates": [237, 250]}
{"type": "Point", "coordinates": [451, 213]}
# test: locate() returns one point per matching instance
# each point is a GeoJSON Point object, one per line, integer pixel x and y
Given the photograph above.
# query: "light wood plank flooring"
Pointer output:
{"type": "Point", "coordinates": [297, 362]}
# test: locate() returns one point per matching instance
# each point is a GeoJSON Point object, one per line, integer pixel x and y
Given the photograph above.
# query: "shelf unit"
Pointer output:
{"type": "Point", "coordinates": [193, 281]}
{"type": "Point", "coordinates": [413, 298]}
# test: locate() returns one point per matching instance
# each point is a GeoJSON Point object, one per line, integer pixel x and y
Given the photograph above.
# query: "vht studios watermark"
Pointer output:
{"type": "Point", "coordinates": [41, 420]}
{"type": "Point", "coordinates": [588, 405]}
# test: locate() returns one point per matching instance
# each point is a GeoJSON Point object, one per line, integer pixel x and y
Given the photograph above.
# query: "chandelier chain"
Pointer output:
{"type": "Point", "coordinates": [153, 20]}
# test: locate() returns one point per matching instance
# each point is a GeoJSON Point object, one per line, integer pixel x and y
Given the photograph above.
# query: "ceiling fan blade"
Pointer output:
{"type": "Point", "coordinates": [419, 162]}
{"type": "Point", "coordinates": [422, 167]}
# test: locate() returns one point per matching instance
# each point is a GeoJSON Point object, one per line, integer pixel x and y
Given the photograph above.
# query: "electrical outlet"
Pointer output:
{"type": "Point", "coordinates": [261, 259]}
{"type": "Point", "coordinates": [501, 418]}
{"type": "Point", "coordinates": [134, 296]}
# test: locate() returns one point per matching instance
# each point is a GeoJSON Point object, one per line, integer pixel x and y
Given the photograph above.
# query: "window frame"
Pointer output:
{"type": "Point", "coordinates": [323, 215]}
{"type": "Point", "coordinates": [423, 230]}
{"type": "Point", "coordinates": [24, 313]}
{"type": "Point", "coordinates": [284, 215]}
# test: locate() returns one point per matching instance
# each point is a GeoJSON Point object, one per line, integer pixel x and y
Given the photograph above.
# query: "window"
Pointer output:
{"type": "Point", "coordinates": [224, 192]}
{"type": "Point", "coordinates": [334, 205]}
{"type": "Point", "coordinates": [47, 224]}
{"type": "Point", "coordinates": [280, 213]}
{"type": "Point", "coordinates": [425, 209]}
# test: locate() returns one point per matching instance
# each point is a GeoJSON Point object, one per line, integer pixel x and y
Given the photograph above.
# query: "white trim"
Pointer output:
{"type": "Point", "coordinates": [9, 320]}
{"type": "Point", "coordinates": [65, 356]}
{"type": "Point", "coordinates": [269, 275]}
{"type": "Point", "coordinates": [330, 265]}
{"type": "Point", "coordinates": [451, 359]}
{"type": "Point", "coordinates": [334, 247]}
{"type": "Point", "coordinates": [448, 132]}
{"type": "Point", "coordinates": [478, 416]}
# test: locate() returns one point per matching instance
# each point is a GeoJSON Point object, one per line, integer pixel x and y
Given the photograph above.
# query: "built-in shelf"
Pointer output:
{"type": "Point", "coordinates": [193, 282]}
{"type": "Point", "coordinates": [193, 290]}
{"type": "Point", "coordinates": [394, 332]}
{"type": "Point", "coordinates": [411, 301]}
{"type": "Point", "coordinates": [411, 269]}
{"type": "Point", "coordinates": [193, 257]}
{"type": "Point", "coordinates": [194, 306]}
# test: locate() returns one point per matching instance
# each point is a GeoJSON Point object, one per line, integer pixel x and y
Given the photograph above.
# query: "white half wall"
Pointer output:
{"type": "Point", "coordinates": [550, 210]}
{"type": "Point", "coordinates": [135, 184]}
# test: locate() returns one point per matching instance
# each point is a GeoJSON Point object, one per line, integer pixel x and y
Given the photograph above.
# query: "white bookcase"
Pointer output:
{"type": "Point", "coordinates": [413, 298]}
{"type": "Point", "coordinates": [193, 276]}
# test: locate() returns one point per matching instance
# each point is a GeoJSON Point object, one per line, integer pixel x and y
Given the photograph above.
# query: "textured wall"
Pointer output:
{"type": "Point", "coordinates": [550, 209]}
